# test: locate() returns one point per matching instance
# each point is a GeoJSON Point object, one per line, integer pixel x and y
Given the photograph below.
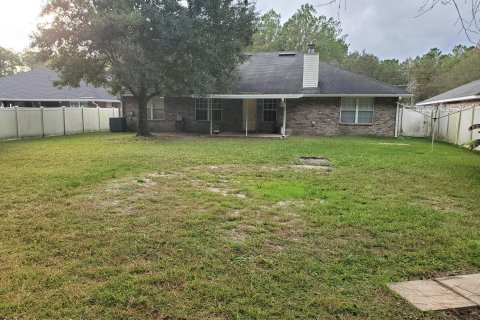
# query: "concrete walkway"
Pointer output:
{"type": "Point", "coordinates": [442, 293]}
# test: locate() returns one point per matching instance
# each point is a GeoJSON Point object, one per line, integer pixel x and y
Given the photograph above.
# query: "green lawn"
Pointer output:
{"type": "Point", "coordinates": [110, 226]}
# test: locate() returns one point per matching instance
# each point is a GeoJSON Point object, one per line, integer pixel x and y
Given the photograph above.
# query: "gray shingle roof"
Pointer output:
{"type": "Point", "coordinates": [466, 92]}
{"type": "Point", "coordinates": [282, 73]}
{"type": "Point", "coordinates": [263, 73]}
{"type": "Point", "coordinates": [36, 85]}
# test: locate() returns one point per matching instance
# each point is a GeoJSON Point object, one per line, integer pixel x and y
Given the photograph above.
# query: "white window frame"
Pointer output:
{"type": "Point", "coordinates": [276, 110]}
{"type": "Point", "coordinates": [202, 104]}
{"type": "Point", "coordinates": [151, 107]}
{"type": "Point", "coordinates": [78, 104]}
{"type": "Point", "coordinates": [358, 101]}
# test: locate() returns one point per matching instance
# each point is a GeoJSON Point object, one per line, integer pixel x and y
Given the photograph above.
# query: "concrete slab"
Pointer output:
{"type": "Point", "coordinates": [467, 286]}
{"type": "Point", "coordinates": [429, 295]}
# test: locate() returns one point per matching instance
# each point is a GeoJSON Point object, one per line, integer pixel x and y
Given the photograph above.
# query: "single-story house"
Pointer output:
{"type": "Point", "coordinates": [282, 92]}
{"type": "Point", "coordinates": [35, 89]}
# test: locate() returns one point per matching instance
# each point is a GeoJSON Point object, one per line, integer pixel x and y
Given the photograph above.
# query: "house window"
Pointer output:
{"type": "Point", "coordinates": [201, 110]}
{"type": "Point", "coordinates": [78, 104]}
{"type": "Point", "coordinates": [156, 108]}
{"type": "Point", "coordinates": [357, 110]}
{"type": "Point", "coordinates": [216, 110]}
{"type": "Point", "coordinates": [270, 110]}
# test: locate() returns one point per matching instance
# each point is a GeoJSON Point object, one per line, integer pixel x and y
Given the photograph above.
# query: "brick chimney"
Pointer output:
{"type": "Point", "coordinates": [311, 64]}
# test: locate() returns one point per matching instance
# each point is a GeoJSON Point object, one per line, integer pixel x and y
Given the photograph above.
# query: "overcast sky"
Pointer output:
{"type": "Point", "coordinates": [386, 28]}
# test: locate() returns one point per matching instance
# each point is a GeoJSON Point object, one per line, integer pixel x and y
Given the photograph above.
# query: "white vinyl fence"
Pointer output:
{"type": "Point", "coordinates": [452, 124]}
{"type": "Point", "coordinates": [20, 123]}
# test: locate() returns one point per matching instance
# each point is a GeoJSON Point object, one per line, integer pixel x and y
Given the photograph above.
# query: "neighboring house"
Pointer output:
{"type": "Point", "coordinates": [35, 89]}
{"type": "Point", "coordinates": [453, 113]}
{"type": "Point", "coordinates": [282, 92]}
{"type": "Point", "coordinates": [464, 96]}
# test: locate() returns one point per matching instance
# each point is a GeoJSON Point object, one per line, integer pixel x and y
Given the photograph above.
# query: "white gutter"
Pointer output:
{"type": "Point", "coordinates": [298, 96]}
{"type": "Point", "coordinates": [449, 100]}
{"type": "Point", "coordinates": [58, 100]}
{"type": "Point", "coordinates": [369, 95]}
{"type": "Point", "coordinates": [254, 96]}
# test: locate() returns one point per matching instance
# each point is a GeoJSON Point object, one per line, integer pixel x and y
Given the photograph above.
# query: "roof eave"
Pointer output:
{"type": "Point", "coordinates": [460, 99]}
{"type": "Point", "coordinates": [306, 95]}
{"type": "Point", "coordinates": [373, 95]}
{"type": "Point", "coordinates": [256, 96]}
{"type": "Point", "coordinates": [58, 100]}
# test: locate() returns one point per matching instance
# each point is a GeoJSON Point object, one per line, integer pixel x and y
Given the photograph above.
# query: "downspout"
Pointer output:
{"type": "Point", "coordinates": [284, 127]}
{"type": "Point", "coordinates": [396, 118]}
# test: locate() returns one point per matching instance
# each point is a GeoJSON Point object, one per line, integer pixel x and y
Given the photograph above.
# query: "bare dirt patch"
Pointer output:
{"type": "Point", "coordinates": [235, 235]}
{"type": "Point", "coordinates": [393, 144]}
{"type": "Point", "coordinates": [320, 164]}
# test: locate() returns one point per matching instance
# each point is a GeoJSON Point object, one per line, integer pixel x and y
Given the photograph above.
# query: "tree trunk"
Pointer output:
{"type": "Point", "coordinates": [142, 117]}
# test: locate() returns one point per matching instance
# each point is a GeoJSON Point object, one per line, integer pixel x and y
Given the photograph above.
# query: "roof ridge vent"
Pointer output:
{"type": "Point", "coordinates": [287, 53]}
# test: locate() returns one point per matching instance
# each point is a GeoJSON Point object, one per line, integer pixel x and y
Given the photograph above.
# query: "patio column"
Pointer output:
{"type": "Point", "coordinates": [211, 115]}
{"type": "Point", "coordinates": [246, 119]}
{"type": "Point", "coordinates": [284, 127]}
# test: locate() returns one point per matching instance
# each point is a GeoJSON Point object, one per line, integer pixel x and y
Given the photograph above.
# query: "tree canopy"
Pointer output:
{"type": "Point", "coordinates": [301, 29]}
{"type": "Point", "coordinates": [436, 72]}
{"type": "Point", "coordinates": [9, 62]}
{"type": "Point", "coordinates": [146, 47]}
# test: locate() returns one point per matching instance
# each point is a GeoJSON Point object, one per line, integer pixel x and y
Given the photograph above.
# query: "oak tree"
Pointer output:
{"type": "Point", "coordinates": [147, 48]}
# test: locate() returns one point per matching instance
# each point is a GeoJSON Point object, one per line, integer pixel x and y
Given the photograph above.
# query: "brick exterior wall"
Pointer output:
{"type": "Point", "coordinates": [325, 112]}
{"type": "Point", "coordinates": [232, 111]}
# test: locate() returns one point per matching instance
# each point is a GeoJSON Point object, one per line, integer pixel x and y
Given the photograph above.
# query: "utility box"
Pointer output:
{"type": "Point", "coordinates": [118, 125]}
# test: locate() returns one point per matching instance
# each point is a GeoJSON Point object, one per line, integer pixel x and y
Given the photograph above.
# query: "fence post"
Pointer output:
{"type": "Point", "coordinates": [83, 119]}
{"type": "Point", "coordinates": [473, 122]}
{"type": "Point", "coordinates": [439, 128]}
{"type": "Point", "coordinates": [458, 127]}
{"type": "Point", "coordinates": [98, 115]}
{"type": "Point", "coordinates": [18, 122]}
{"type": "Point", "coordinates": [43, 121]}
{"type": "Point", "coordinates": [64, 122]}
{"type": "Point", "coordinates": [448, 126]}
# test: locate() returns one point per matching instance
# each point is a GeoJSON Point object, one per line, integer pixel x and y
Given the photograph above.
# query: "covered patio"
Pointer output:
{"type": "Point", "coordinates": [257, 110]}
{"type": "Point", "coordinates": [249, 135]}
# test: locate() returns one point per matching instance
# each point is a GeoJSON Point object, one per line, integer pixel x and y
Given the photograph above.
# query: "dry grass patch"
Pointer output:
{"type": "Point", "coordinates": [155, 229]}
